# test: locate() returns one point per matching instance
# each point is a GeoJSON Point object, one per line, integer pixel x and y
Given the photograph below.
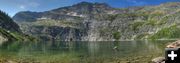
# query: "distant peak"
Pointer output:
{"type": "Point", "coordinates": [90, 3]}
{"type": "Point", "coordinates": [84, 2]}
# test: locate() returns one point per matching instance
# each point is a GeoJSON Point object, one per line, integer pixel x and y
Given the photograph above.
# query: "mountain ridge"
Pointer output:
{"type": "Point", "coordinates": [83, 9]}
{"type": "Point", "coordinates": [91, 22]}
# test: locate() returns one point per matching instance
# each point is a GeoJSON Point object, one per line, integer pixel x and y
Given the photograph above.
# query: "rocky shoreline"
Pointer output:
{"type": "Point", "coordinates": [175, 44]}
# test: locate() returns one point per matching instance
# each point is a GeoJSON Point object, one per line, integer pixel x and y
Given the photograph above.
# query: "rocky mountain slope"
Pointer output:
{"type": "Point", "coordinates": [9, 30]}
{"type": "Point", "coordinates": [100, 22]}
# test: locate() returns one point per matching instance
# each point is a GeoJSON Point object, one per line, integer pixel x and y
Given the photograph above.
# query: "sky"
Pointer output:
{"type": "Point", "coordinates": [11, 7]}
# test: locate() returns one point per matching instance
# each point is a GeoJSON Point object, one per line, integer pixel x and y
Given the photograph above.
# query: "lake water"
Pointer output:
{"type": "Point", "coordinates": [82, 52]}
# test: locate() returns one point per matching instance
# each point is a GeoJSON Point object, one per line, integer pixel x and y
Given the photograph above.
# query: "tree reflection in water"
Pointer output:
{"type": "Point", "coordinates": [81, 50]}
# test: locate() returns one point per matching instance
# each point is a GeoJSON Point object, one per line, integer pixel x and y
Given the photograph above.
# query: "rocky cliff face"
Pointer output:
{"type": "Point", "coordinates": [100, 22]}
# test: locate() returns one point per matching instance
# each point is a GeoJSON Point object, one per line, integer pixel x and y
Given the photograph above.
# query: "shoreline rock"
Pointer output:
{"type": "Point", "coordinates": [175, 44]}
{"type": "Point", "coordinates": [159, 60]}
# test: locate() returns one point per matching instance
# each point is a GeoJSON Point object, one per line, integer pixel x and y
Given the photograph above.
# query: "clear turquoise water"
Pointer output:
{"type": "Point", "coordinates": [82, 52]}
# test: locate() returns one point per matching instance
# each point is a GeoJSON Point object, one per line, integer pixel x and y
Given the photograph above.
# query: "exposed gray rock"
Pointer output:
{"type": "Point", "coordinates": [99, 22]}
{"type": "Point", "coordinates": [2, 39]}
{"type": "Point", "coordinates": [159, 60]}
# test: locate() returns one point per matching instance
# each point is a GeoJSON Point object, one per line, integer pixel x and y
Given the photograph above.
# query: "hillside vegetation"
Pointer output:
{"type": "Point", "coordinates": [10, 31]}
{"type": "Point", "coordinates": [100, 22]}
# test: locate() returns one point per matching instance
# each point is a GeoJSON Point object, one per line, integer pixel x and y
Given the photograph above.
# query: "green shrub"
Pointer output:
{"type": "Point", "coordinates": [141, 36]}
{"type": "Point", "coordinates": [111, 17]}
{"type": "Point", "coordinates": [168, 33]}
{"type": "Point", "coordinates": [116, 35]}
{"type": "Point", "coordinates": [15, 36]}
{"type": "Point", "coordinates": [136, 25]}
{"type": "Point", "coordinates": [163, 20]}
{"type": "Point", "coordinates": [128, 15]}
{"type": "Point", "coordinates": [7, 34]}
{"type": "Point", "coordinates": [151, 22]}
{"type": "Point", "coordinates": [104, 31]}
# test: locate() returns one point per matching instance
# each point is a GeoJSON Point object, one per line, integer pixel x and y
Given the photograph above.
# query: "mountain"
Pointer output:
{"type": "Point", "coordinates": [7, 23]}
{"type": "Point", "coordinates": [83, 9]}
{"type": "Point", "coordinates": [9, 30]}
{"type": "Point", "coordinates": [100, 22]}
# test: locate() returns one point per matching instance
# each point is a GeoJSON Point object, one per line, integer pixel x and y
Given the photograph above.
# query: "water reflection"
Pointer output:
{"type": "Point", "coordinates": [82, 49]}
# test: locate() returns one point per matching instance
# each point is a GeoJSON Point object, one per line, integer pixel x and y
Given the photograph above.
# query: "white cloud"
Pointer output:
{"type": "Point", "coordinates": [25, 5]}
{"type": "Point", "coordinates": [22, 7]}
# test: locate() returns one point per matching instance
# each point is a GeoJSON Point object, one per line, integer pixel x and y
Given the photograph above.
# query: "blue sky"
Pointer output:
{"type": "Point", "coordinates": [13, 6]}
